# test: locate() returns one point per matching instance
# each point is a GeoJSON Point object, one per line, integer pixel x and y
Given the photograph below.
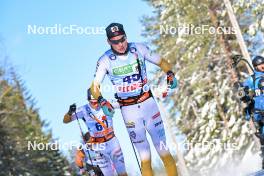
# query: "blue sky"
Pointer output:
{"type": "Point", "coordinates": [57, 69]}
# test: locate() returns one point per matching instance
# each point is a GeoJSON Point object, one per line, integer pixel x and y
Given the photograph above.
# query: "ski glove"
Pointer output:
{"type": "Point", "coordinates": [171, 80]}
{"type": "Point", "coordinates": [106, 106]}
{"type": "Point", "coordinates": [72, 109]}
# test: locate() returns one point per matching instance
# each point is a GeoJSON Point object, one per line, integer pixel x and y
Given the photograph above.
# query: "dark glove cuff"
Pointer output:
{"type": "Point", "coordinates": [100, 98]}
{"type": "Point", "coordinates": [170, 72]}
{"type": "Point", "coordinates": [69, 113]}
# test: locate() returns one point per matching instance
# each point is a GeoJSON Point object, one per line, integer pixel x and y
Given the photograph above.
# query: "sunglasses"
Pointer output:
{"type": "Point", "coordinates": [94, 102]}
{"type": "Point", "coordinates": [121, 40]}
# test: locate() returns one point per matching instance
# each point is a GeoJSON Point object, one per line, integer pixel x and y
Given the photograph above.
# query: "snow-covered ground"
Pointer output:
{"type": "Point", "coordinates": [249, 164]}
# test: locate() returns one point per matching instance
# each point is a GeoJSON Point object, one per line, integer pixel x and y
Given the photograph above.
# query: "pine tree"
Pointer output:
{"type": "Point", "coordinates": [20, 123]}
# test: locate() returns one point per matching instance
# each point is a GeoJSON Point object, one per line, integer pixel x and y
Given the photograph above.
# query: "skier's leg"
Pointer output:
{"type": "Point", "coordinates": [156, 130]}
{"type": "Point", "coordinates": [116, 156]}
{"type": "Point", "coordinates": [106, 166]}
{"type": "Point", "coordinates": [135, 126]}
{"type": "Point", "coordinates": [103, 161]}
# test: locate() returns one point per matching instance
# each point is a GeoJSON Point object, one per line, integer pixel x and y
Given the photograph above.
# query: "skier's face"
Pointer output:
{"type": "Point", "coordinates": [94, 104]}
{"type": "Point", "coordinates": [118, 43]}
{"type": "Point", "coordinates": [260, 67]}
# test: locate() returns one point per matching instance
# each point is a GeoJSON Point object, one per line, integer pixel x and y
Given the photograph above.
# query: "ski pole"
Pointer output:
{"type": "Point", "coordinates": [90, 158]}
{"type": "Point", "coordinates": [135, 155]}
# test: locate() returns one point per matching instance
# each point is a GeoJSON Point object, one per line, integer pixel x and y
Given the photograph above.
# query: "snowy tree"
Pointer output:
{"type": "Point", "coordinates": [205, 109]}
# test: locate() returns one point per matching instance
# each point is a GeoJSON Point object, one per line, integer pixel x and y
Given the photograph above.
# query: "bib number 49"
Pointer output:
{"type": "Point", "coordinates": [129, 79]}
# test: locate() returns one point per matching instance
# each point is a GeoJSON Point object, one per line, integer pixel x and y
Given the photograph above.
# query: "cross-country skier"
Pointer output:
{"type": "Point", "coordinates": [255, 106]}
{"type": "Point", "coordinates": [125, 65]}
{"type": "Point", "coordinates": [100, 127]}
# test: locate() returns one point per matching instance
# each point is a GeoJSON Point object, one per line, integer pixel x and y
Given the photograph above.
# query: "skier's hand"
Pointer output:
{"type": "Point", "coordinates": [72, 109]}
{"type": "Point", "coordinates": [106, 106]}
{"type": "Point", "coordinates": [171, 80]}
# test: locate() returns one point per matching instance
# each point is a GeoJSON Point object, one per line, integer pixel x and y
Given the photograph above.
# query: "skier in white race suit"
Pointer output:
{"type": "Point", "coordinates": [102, 137]}
{"type": "Point", "coordinates": [125, 65]}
